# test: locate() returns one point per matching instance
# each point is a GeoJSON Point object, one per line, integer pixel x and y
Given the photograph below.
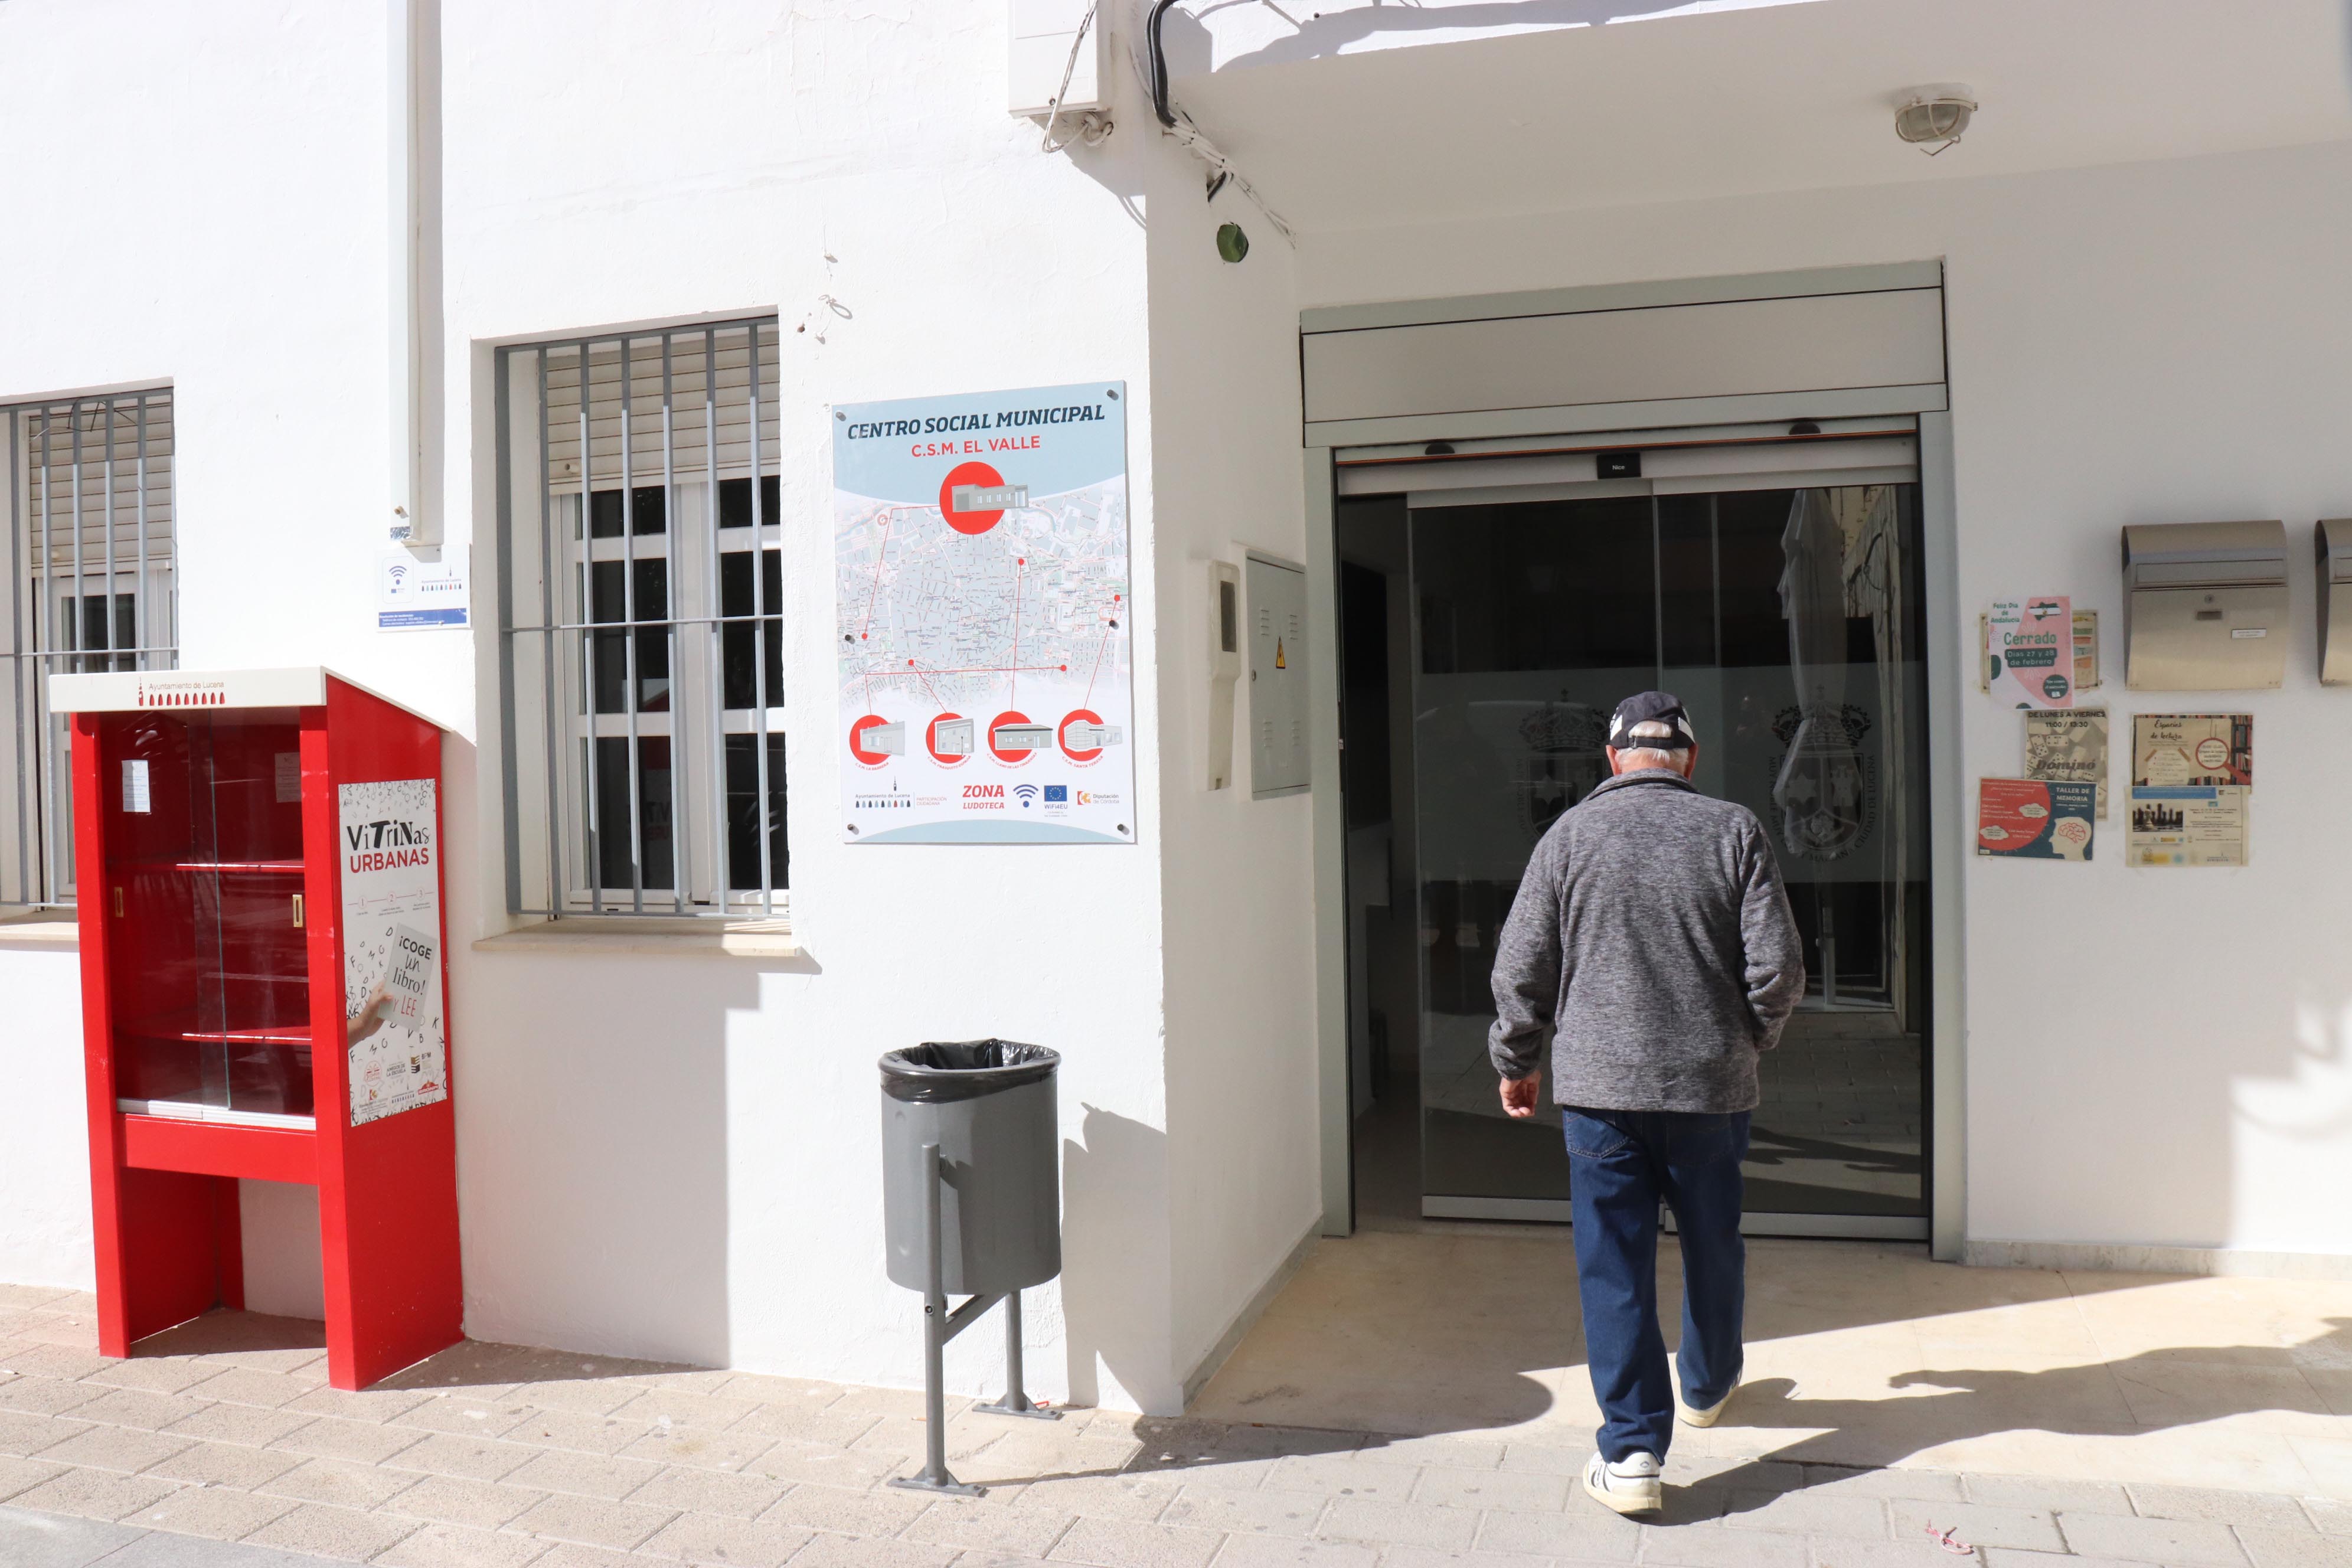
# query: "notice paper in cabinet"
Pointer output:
{"type": "Point", "coordinates": [2070, 744]}
{"type": "Point", "coordinates": [2192, 789]}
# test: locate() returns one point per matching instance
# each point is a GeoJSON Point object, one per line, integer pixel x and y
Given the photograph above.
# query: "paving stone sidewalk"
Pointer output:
{"type": "Point", "coordinates": [497, 1456]}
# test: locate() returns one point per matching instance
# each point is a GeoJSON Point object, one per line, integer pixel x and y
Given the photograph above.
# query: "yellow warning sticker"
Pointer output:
{"type": "Point", "coordinates": [1279, 661]}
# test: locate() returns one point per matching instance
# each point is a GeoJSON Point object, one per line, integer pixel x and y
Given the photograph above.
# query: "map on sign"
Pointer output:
{"type": "Point", "coordinates": [981, 599]}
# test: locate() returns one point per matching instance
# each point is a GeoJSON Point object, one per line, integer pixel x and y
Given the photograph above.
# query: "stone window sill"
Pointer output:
{"type": "Point", "coordinates": [733, 939]}
{"type": "Point", "coordinates": [43, 929]}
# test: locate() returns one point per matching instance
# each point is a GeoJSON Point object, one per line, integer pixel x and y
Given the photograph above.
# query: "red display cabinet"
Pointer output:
{"type": "Point", "coordinates": [258, 863]}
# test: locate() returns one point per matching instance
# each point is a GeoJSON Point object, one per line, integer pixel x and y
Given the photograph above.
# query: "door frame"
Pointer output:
{"type": "Point", "coordinates": [1947, 1086]}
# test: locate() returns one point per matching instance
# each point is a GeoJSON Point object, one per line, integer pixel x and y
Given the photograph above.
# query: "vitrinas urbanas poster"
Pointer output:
{"type": "Point", "coordinates": [398, 1053]}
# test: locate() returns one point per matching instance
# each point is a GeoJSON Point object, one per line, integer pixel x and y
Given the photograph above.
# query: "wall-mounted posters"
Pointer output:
{"type": "Point", "coordinates": [2192, 789]}
{"type": "Point", "coordinates": [2030, 661]}
{"type": "Point", "coordinates": [2086, 655]}
{"type": "Point", "coordinates": [2034, 819]}
{"type": "Point", "coordinates": [389, 845]}
{"type": "Point", "coordinates": [2087, 652]}
{"type": "Point", "coordinates": [2070, 745]}
{"type": "Point", "coordinates": [983, 614]}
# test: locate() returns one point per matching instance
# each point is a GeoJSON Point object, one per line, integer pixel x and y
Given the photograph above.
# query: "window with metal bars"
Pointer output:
{"type": "Point", "coordinates": [90, 568]}
{"type": "Point", "coordinates": [641, 614]}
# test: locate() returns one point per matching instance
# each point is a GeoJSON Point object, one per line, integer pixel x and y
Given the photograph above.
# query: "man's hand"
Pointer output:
{"type": "Point", "coordinates": [1520, 1096]}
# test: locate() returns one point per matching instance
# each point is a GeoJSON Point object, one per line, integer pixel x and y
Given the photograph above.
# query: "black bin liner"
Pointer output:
{"type": "Point", "coordinates": [939, 1071]}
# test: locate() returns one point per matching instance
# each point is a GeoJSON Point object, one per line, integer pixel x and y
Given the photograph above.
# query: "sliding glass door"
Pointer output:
{"type": "Point", "coordinates": [1789, 621]}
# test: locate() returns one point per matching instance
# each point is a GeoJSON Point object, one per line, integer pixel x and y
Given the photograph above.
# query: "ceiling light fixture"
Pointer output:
{"type": "Point", "coordinates": [1933, 119]}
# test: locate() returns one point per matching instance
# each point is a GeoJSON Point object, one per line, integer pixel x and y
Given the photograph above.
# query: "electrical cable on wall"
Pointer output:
{"type": "Point", "coordinates": [1180, 125]}
{"type": "Point", "coordinates": [1093, 128]}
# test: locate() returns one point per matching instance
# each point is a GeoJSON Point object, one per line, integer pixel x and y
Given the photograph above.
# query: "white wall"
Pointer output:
{"type": "Point", "coordinates": [680, 1156]}
{"type": "Point", "coordinates": [229, 250]}
{"type": "Point", "coordinates": [2160, 1057]}
{"type": "Point", "coordinates": [1238, 880]}
{"type": "Point", "coordinates": [44, 1155]}
{"type": "Point", "coordinates": [677, 1155]}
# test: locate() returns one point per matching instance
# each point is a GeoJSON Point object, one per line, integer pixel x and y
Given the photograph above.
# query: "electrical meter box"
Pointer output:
{"type": "Point", "coordinates": [1054, 40]}
{"type": "Point", "coordinates": [2333, 543]}
{"type": "Point", "coordinates": [258, 865]}
{"type": "Point", "coordinates": [2205, 605]}
{"type": "Point", "coordinates": [1277, 678]}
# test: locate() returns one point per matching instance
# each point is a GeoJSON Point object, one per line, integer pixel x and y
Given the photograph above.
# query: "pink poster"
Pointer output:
{"type": "Point", "coordinates": [2030, 651]}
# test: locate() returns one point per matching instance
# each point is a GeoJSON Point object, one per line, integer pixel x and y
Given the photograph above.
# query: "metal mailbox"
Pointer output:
{"type": "Point", "coordinates": [2333, 540]}
{"type": "Point", "coordinates": [2205, 605]}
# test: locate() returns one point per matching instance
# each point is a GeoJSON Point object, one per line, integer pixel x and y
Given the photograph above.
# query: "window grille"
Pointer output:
{"type": "Point", "coordinates": [91, 572]}
{"type": "Point", "coordinates": [641, 614]}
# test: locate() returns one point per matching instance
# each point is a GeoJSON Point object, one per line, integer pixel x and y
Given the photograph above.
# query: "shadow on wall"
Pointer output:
{"type": "Point", "coordinates": [595, 1213]}
{"type": "Point", "coordinates": [2311, 1099]}
{"type": "Point", "coordinates": [1115, 1271]}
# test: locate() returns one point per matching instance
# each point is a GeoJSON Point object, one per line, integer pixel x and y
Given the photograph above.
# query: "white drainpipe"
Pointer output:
{"type": "Point", "coordinates": [407, 519]}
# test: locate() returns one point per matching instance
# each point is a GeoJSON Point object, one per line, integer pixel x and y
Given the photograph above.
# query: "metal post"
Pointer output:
{"type": "Point", "coordinates": [51, 821]}
{"type": "Point", "coordinates": [1016, 1398]}
{"type": "Point", "coordinates": [681, 843]}
{"type": "Point", "coordinates": [934, 1475]}
{"type": "Point", "coordinates": [107, 599]}
{"type": "Point", "coordinates": [139, 616]}
{"type": "Point", "coordinates": [79, 620]}
{"type": "Point", "coordinates": [934, 1317]}
{"type": "Point", "coordinates": [721, 870]}
{"type": "Point", "coordinates": [19, 606]}
{"type": "Point", "coordinates": [549, 650]}
{"type": "Point", "coordinates": [588, 647]}
{"type": "Point", "coordinates": [760, 637]}
{"type": "Point", "coordinates": [629, 637]}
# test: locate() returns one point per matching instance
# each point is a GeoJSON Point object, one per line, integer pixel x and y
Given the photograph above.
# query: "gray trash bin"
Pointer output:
{"type": "Point", "coordinates": [972, 1204]}
{"type": "Point", "coordinates": [990, 1107]}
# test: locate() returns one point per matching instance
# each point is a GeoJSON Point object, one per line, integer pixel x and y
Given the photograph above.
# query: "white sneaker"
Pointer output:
{"type": "Point", "coordinates": [1629, 1486]}
{"type": "Point", "coordinates": [1691, 1415]}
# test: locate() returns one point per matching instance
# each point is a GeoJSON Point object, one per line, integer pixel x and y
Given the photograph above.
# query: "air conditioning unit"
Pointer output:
{"type": "Point", "coordinates": [1045, 32]}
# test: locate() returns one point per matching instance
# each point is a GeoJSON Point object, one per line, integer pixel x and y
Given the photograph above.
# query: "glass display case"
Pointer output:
{"type": "Point", "coordinates": [262, 997]}
{"type": "Point", "coordinates": [211, 989]}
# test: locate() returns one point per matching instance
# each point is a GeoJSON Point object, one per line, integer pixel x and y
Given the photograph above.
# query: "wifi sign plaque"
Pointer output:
{"type": "Point", "coordinates": [421, 590]}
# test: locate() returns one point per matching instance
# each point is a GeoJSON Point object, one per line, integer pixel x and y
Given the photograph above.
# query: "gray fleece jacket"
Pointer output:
{"type": "Point", "coordinates": [1652, 936]}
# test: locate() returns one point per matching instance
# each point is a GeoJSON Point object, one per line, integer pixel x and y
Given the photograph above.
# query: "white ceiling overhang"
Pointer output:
{"type": "Point", "coordinates": [1352, 115]}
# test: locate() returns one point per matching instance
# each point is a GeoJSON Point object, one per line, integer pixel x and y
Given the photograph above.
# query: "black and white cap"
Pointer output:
{"type": "Point", "coordinates": [1651, 708]}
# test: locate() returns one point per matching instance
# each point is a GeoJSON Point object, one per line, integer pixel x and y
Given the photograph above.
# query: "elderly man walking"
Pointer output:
{"type": "Point", "coordinates": [1653, 940]}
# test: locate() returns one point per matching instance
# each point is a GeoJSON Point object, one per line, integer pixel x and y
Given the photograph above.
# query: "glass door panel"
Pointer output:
{"type": "Point", "coordinates": [257, 996]}
{"type": "Point", "coordinates": [146, 789]}
{"type": "Point", "coordinates": [211, 992]}
{"type": "Point", "coordinates": [1789, 622]}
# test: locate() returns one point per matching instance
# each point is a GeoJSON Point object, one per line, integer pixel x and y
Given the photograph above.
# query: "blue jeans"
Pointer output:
{"type": "Point", "coordinates": [1621, 1163]}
